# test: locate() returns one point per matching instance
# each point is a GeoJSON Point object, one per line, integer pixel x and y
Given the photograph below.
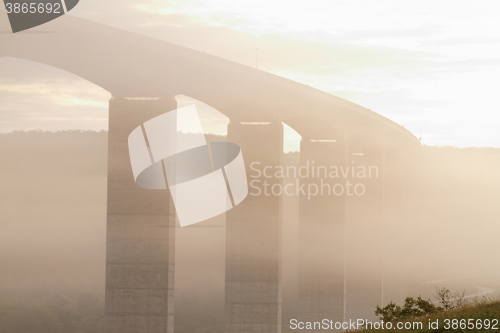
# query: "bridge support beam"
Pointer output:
{"type": "Point", "coordinates": [321, 231]}
{"type": "Point", "coordinates": [365, 222]}
{"type": "Point", "coordinates": [253, 236]}
{"type": "Point", "coordinates": [394, 222]}
{"type": "Point", "coordinates": [140, 232]}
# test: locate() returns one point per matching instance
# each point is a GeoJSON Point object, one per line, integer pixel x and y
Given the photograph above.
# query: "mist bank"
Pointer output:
{"type": "Point", "coordinates": [53, 226]}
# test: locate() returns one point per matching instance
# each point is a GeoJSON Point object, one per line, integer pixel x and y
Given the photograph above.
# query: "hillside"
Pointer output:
{"type": "Point", "coordinates": [480, 317]}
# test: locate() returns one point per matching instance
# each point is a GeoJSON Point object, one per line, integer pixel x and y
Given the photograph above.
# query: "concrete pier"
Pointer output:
{"type": "Point", "coordinates": [321, 231]}
{"type": "Point", "coordinates": [253, 236]}
{"type": "Point", "coordinates": [140, 232]}
{"type": "Point", "coordinates": [395, 284]}
{"type": "Point", "coordinates": [364, 231]}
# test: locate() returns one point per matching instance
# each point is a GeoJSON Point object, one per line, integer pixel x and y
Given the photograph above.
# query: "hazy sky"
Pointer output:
{"type": "Point", "coordinates": [433, 67]}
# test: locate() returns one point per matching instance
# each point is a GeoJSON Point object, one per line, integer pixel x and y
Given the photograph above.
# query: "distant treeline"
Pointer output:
{"type": "Point", "coordinates": [74, 313]}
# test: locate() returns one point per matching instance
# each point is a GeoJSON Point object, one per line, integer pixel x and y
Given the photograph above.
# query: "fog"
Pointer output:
{"type": "Point", "coordinates": [438, 227]}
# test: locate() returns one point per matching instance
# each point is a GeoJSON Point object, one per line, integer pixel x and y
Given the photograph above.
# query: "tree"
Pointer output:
{"type": "Point", "coordinates": [412, 308]}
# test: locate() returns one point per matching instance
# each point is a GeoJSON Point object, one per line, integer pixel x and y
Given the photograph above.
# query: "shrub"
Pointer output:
{"type": "Point", "coordinates": [412, 308]}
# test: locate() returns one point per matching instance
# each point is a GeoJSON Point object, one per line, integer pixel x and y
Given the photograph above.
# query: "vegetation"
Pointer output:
{"type": "Point", "coordinates": [454, 314]}
{"type": "Point", "coordinates": [412, 308]}
{"type": "Point", "coordinates": [421, 307]}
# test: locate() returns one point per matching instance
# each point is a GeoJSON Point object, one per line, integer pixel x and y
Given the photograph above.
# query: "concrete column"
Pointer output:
{"type": "Point", "coordinates": [321, 230]}
{"type": "Point", "coordinates": [394, 223]}
{"type": "Point", "coordinates": [253, 236]}
{"type": "Point", "coordinates": [364, 231]}
{"type": "Point", "coordinates": [140, 232]}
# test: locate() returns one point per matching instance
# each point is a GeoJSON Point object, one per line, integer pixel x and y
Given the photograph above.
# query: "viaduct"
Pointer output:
{"type": "Point", "coordinates": [144, 75]}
